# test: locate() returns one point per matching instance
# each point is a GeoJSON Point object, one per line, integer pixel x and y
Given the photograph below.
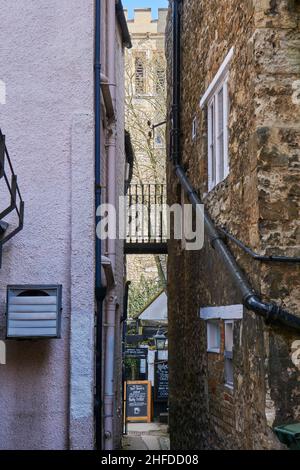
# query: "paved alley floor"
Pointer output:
{"type": "Point", "coordinates": [146, 436]}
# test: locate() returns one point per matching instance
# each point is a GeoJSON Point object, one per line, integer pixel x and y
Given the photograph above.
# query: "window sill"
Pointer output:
{"type": "Point", "coordinates": [229, 387]}
{"type": "Point", "coordinates": [143, 96]}
{"type": "Point", "coordinates": [220, 187]}
{"type": "Point", "coordinates": [214, 350]}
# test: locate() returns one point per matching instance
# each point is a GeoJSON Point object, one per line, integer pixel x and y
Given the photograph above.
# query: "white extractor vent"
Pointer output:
{"type": "Point", "coordinates": [34, 311]}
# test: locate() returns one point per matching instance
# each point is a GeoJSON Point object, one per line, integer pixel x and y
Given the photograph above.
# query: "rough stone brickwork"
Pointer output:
{"type": "Point", "coordinates": [259, 203]}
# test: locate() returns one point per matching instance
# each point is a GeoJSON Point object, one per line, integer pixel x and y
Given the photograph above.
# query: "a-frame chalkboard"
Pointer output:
{"type": "Point", "coordinates": [138, 403]}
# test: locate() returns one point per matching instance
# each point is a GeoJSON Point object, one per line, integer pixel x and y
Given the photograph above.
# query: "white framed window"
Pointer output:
{"type": "Point", "coordinates": [228, 353]}
{"type": "Point", "coordinates": [218, 136]}
{"type": "Point", "coordinates": [213, 336]}
{"type": "Point", "coordinates": [216, 100]}
{"type": "Point", "coordinates": [194, 128]}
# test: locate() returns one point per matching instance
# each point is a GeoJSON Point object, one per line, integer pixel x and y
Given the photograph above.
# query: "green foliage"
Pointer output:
{"type": "Point", "coordinates": [131, 368]}
{"type": "Point", "coordinates": [141, 293]}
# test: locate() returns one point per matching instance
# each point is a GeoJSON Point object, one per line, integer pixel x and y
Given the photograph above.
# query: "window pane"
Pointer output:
{"type": "Point", "coordinates": [213, 147]}
{"type": "Point", "coordinates": [221, 135]}
{"type": "Point", "coordinates": [220, 111]}
{"type": "Point", "coordinates": [228, 372]}
{"type": "Point", "coordinates": [213, 335]}
{"type": "Point", "coordinates": [229, 337]}
{"type": "Point", "coordinates": [228, 353]}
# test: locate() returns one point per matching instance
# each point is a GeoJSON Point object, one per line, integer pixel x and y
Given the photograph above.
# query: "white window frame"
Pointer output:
{"type": "Point", "coordinates": [228, 353]}
{"type": "Point", "coordinates": [212, 329]}
{"type": "Point", "coordinates": [194, 128]}
{"type": "Point", "coordinates": [229, 314]}
{"type": "Point", "coordinates": [216, 174]}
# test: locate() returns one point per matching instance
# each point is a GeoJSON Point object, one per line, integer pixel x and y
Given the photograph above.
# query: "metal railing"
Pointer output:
{"type": "Point", "coordinates": [16, 202]}
{"type": "Point", "coordinates": [146, 220]}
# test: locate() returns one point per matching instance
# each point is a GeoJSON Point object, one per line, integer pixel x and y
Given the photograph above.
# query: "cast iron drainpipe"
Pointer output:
{"type": "Point", "coordinates": [99, 290]}
{"type": "Point", "coordinates": [269, 311]}
{"type": "Point", "coordinates": [123, 322]}
{"type": "Point", "coordinates": [256, 256]}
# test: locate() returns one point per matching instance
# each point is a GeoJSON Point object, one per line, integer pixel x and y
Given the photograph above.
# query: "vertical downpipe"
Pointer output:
{"type": "Point", "coordinates": [175, 129]}
{"type": "Point", "coordinates": [110, 320]}
{"type": "Point", "coordinates": [98, 282]}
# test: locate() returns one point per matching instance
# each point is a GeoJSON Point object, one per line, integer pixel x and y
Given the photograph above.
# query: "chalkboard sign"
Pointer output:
{"type": "Point", "coordinates": [161, 381]}
{"type": "Point", "coordinates": [138, 400]}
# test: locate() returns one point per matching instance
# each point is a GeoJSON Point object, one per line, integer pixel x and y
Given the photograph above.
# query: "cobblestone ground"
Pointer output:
{"type": "Point", "coordinates": [144, 436]}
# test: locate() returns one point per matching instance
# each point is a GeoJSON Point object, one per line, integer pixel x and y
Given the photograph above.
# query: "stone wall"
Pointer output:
{"type": "Point", "coordinates": [259, 203]}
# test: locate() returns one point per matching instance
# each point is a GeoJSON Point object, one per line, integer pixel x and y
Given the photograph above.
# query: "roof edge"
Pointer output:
{"type": "Point", "coordinates": [123, 24]}
{"type": "Point", "coordinates": [151, 301]}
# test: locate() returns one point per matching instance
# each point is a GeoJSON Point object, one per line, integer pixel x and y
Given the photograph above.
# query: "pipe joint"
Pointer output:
{"type": "Point", "coordinates": [272, 313]}
{"type": "Point", "coordinates": [214, 239]}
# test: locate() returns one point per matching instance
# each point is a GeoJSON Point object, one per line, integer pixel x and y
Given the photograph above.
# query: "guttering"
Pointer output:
{"type": "Point", "coordinates": [271, 312]}
{"type": "Point", "coordinates": [123, 25]}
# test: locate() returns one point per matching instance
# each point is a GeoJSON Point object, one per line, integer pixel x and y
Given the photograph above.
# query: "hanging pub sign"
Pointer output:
{"type": "Point", "coordinates": [137, 396]}
{"type": "Point", "coordinates": [161, 388]}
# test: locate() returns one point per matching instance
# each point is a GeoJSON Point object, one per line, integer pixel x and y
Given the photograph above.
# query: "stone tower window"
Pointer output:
{"type": "Point", "coordinates": [140, 79]}
{"type": "Point", "coordinates": [216, 100]}
{"type": "Point", "coordinates": [159, 72]}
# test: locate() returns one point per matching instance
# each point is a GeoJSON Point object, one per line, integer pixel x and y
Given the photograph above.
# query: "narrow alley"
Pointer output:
{"type": "Point", "coordinates": [149, 227]}
{"type": "Point", "coordinates": [144, 436]}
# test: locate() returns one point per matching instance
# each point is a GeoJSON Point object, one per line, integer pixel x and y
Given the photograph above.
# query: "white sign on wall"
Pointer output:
{"type": "Point", "coordinates": [143, 366]}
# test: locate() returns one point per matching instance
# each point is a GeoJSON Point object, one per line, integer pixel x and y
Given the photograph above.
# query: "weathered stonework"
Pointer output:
{"type": "Point", "coordinates": [259, 203]}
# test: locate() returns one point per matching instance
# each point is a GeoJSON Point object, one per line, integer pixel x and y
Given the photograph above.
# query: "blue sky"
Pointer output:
{"type": "Point", "coordinates": [154, 4]}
